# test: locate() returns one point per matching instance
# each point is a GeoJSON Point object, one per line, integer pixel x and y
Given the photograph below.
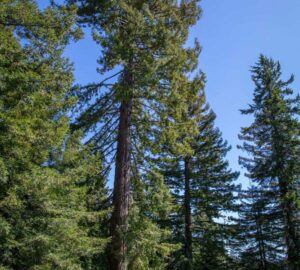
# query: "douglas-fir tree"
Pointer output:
{"type": "Point", "coordinates": [272, 141]}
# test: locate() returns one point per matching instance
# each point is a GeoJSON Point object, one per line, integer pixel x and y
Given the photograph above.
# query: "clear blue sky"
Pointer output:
{"type": "Point", "coordinates": [233, 33]}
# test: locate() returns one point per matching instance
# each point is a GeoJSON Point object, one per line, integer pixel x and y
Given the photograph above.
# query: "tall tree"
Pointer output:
{"type": "Point", "coordinates": [214, 190]}
{"type": "Point", "coordinates": [272, 143]}
{"type": "Point", "coordinates": [142, 42]}
{"type": "Point", "coordinates": [43, 167]}
{"type": "Point", "coordinates": [204, 190]}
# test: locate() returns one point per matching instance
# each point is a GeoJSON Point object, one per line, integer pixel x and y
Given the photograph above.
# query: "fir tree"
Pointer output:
{"type": "Point", "coordinates": [214, 194]}
{"type": "Point", "coordinates": [259, 242]}
{"type": "Point", "coordinates": [142, 48]}
{"type": "Point", "coordinates": [204, 190]}
{"type": "Point", "coordinates": [272, 143]}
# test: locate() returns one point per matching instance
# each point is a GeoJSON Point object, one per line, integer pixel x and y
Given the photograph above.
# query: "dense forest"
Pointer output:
{"type": "Point", "coordinates": [147, 127]}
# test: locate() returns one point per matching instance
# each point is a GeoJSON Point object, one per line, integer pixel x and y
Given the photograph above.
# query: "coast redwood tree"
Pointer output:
{"type": "Point", "coordinates": [143, 57]}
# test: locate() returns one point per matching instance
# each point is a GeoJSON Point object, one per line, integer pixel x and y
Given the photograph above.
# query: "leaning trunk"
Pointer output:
{"type": "Point", "coordinates": [188, 215]}
{"type": "Point", "coordinates": [121, 190]}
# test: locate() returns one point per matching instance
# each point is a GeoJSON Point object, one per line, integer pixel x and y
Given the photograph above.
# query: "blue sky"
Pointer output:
{"type": "Point", "coordinates": [232, 33]}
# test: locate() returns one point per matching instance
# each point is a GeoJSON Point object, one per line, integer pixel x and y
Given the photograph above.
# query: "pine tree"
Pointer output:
{"type": "Point", "coordinates": [272, 143]}
{"type": "Point", "coordinates": [142, 48]}
{"type": "Point", "coordinates": [44, 168]}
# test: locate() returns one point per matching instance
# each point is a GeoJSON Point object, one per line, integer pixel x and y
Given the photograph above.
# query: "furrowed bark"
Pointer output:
{"type": "Point", "coordinates": [188, 215]}
{"type": "Point", "coordinates": [121, 192]}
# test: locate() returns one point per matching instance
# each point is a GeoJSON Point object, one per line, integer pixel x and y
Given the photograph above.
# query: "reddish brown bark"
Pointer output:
{"type": "Point", "coordinates": [121, 192]}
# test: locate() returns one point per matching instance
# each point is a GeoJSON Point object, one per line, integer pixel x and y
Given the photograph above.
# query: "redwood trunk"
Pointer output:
{"type": "Point", "coordinates": [121, 190]}
{"type": "Point", "coordinates": [188, 215]}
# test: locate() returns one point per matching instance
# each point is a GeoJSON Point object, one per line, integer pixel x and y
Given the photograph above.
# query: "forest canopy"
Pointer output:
{"type": "Point", "coordinates": [131, 171]}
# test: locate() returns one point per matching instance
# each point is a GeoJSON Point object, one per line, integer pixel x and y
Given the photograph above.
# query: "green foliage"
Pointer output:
{"type": "Point", "coordinates": [44, 167]}
{"type": "Point", "coordinates": [272, 145]}
{"type": "Point", "coordinates": [213, 191]}
{"type": "Point", "coordinates": [211, 196]}
{"type": "Point", "coordinates": [258, 240]}
{"type": "Point", "coordinates": [55, 209]}
{"type": "Point", "coordinates": [143, 56]}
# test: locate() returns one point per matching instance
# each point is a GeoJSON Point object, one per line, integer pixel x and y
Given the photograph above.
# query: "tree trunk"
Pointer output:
{"type": "Point", "coordinates": [262, 251]}
{"type": "Point", "coordinates": [188, 215]}
{"type": "Point", "coordinates": [121, 192]}
{"type": "Point", "coordinates": [290, 225]}
{"type": "Point", "coordinates": [288, 206]}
